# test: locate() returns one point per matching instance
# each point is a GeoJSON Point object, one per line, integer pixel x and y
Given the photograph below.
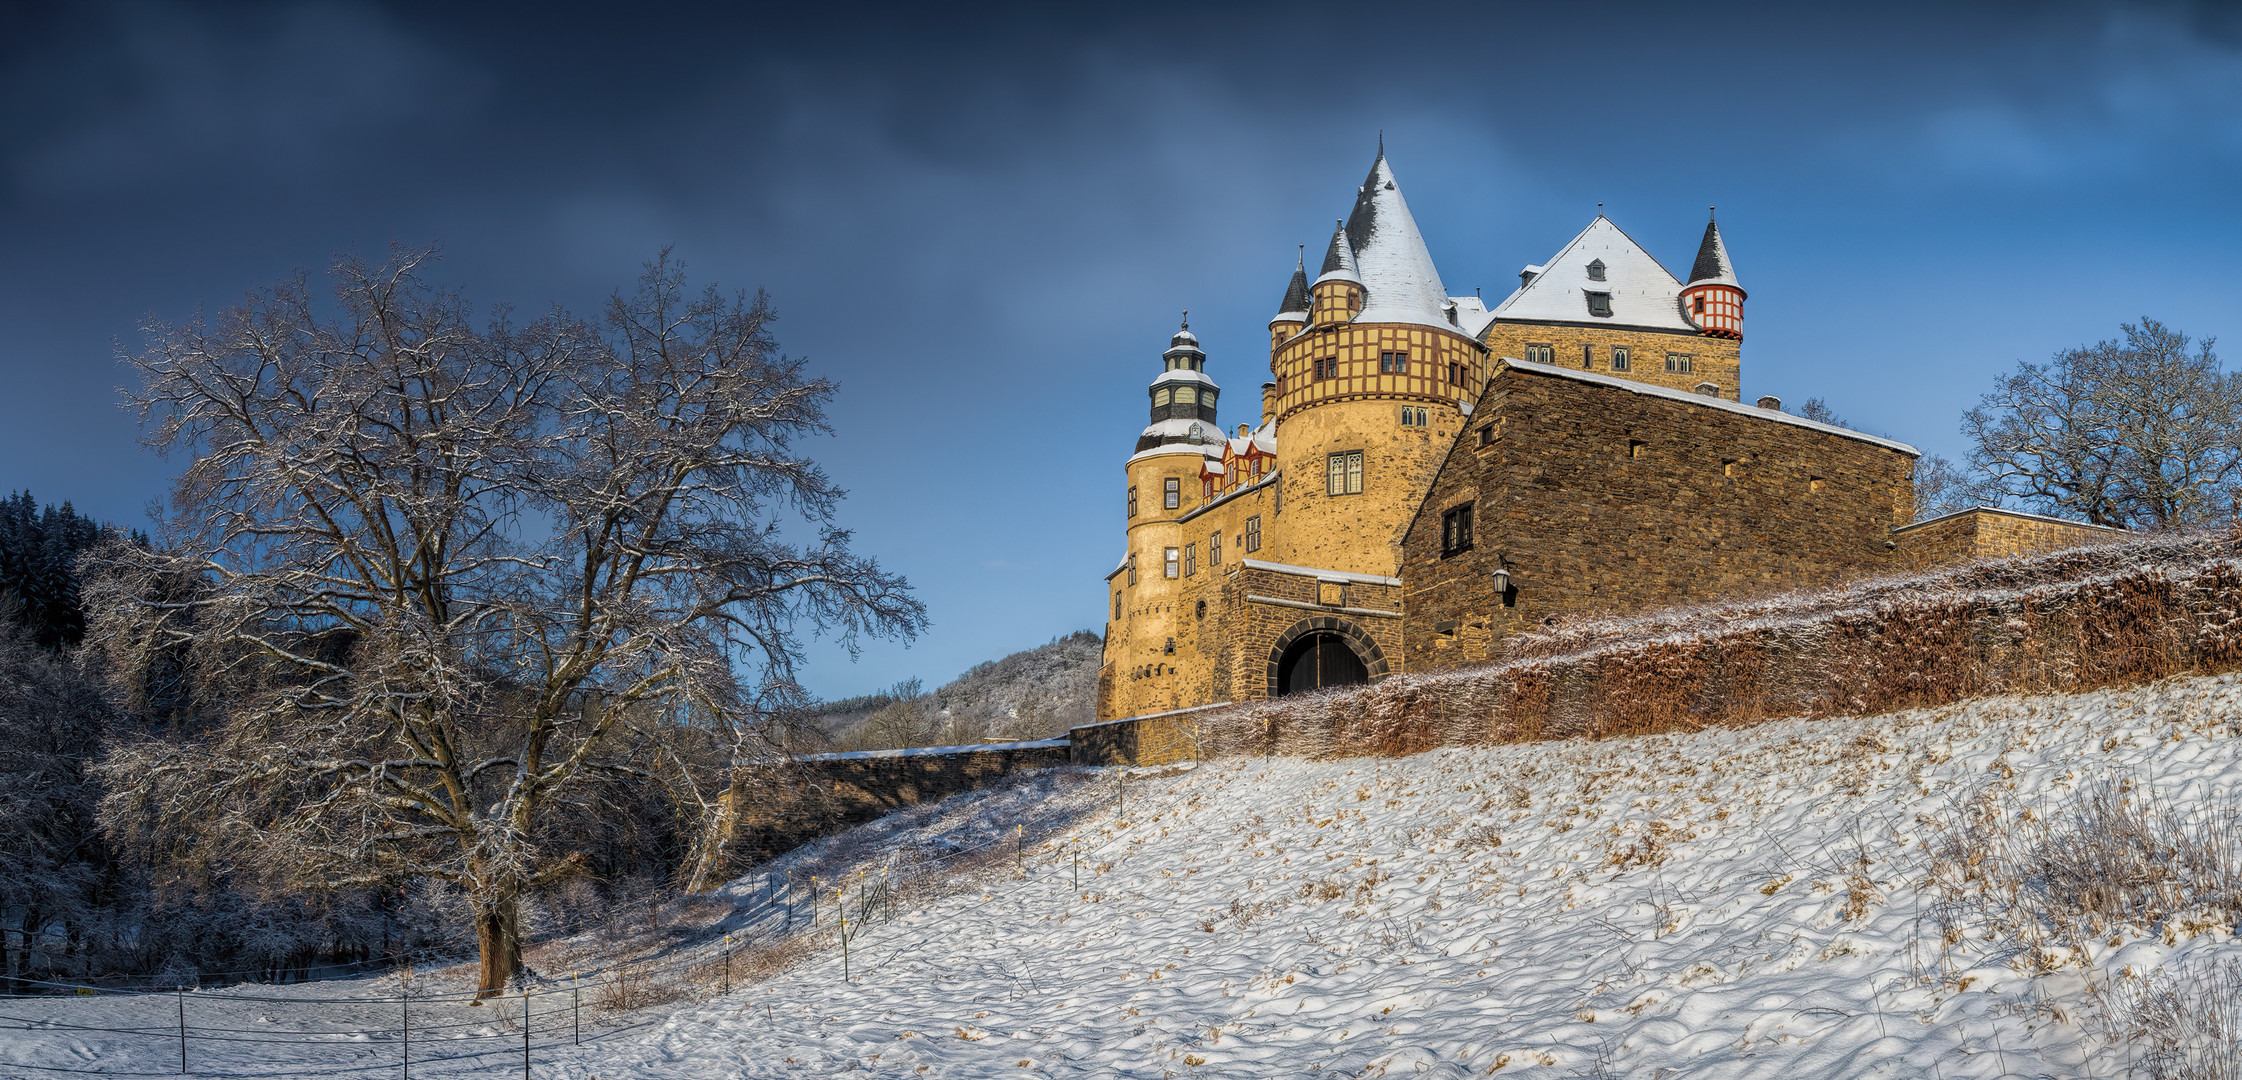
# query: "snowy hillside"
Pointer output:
{"type": "Point", "coordinates": [1977, 891]}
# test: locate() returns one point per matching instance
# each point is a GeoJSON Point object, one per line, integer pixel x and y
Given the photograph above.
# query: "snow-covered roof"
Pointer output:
{"type": "Point", "coordinates": [1321, 575]}
{"type": "Point", "coordinates": [1185, 375]}
{"type": "Point", "coordinates": [1712, 265]}
{"type": "Point", "coordinates": [1213, 465]}
{"type": "Point", "coordinates": [1177, 437]}
{"type": "Point", "coordinates": [1295, 300]}
{"type": "Point", "coordinates": [1233, 493]}
{"type": "Point", "coordinates": [1472, 315]}
{"type": "Point", "coordinates": [1705, 400]}
{"type": "Point", "coordinates": [2008, 513]}
{"type": "Point", "coordinates": [1642, 292]}
{"type": "Point", "coordinates": [1339, 258]}
{"type": "Point", "coordinates": [1390, 255]}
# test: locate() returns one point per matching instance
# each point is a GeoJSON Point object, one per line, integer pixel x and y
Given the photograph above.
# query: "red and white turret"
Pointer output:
{"type": "Point", "coordinates": [1713, 300]}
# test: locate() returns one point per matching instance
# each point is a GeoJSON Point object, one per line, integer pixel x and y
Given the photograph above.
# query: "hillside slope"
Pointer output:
{"type": "Point", "coordinates": [1922, 894]}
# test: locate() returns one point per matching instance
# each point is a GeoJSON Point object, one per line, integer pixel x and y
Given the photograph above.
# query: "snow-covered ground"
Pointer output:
{"type": "Point", "coordinates": [1725, 904]}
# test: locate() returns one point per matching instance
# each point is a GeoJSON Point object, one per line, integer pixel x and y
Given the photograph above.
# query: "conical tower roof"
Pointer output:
{"type": "Point", "coordinates": [1712, 265]}
{"type": "Point", "coordinates": [1296, 292]}
{"type": "Point", "coordinates": [1391, 259]}
{"type": "Point", "coordinates": [1339, 258]}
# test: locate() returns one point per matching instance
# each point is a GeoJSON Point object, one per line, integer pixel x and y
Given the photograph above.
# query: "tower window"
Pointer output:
{"type": "Point", "coordinates": [1587, 357]}
{"type": "Point", "coordinates": [1214, 548]}
{"type": "Point", "coordinates": [1487, 435]}
{"type": "Point", "coordinates": [1393, 363]}
{"type": "Point", "coordinates": [1132, 569]}
{"type": "Point", "coordinates": [1160, 397]}
{"type": "Point", "coordinates": [1186, 395]}
{"type": "Point", "coordinates": [1171, 560]}
{"type": "Point", "coordinates": [1206, 399]}
{"type": "Point", "coordinates": [1635, 448]}
{"type": "Point", "coordinates": [1344, 473]}
{"type": "Point", "coordinates": [1253, 533]}
{"type": "Point", "coordinates": [1816, 484]}
{"type": "Point", "coordinates": [1542, 354]}
{"type": "Point", "coordinates": [1190, 559]}
{"type": "Point", "coordinates": [1699, 302]}
{"type": "Point", "coordinates": [1206, 488]}
{"type": "Point", "coordinates": [1414, 417]}
{"type": "Point", "coordinates": [1599, 304]}
{"type": "Point", "coordinates": [1172, 494]}
{"type": "Point", "coordinates": [1619, 358]}
{"type": "Point", "coordinates": [1596, 270]}
{"type": "Point", "coordinates": [1677, 363]}
{"type": "Point", "coordinates": [1455, 531]}
{"type": "Point", "coordinates": [1201, 611]}
{"type": "Point", "coordinates": [1132, 500]}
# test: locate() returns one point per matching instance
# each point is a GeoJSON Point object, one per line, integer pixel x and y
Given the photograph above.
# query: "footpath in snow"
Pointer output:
{"type": "Point", "coordinates": [1796, 899]}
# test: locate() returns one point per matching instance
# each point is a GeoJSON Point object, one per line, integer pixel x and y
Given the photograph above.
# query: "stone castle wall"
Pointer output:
{"type": "Point", "coordinates": [1988, 533]}
{"type": "Point", "coordinates": [1715, 360]}
{"type": "Point", "coordinates": [1598, 498]}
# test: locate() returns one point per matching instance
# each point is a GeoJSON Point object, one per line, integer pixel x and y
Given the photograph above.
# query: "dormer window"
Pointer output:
{"type": "Point", "coordinates": [1596, 270]}
{"type": "Point", "coordinates": [1599, 304]}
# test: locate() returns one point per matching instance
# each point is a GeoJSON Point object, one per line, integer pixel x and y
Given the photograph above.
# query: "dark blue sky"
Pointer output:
{"type": "Point", "coordinates": [983, 224]}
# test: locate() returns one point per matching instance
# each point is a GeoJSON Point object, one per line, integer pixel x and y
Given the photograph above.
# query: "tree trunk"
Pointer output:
{"type": "Point", "coordinates": [713, 855]}
{"type": "Point", "coordinates": [498, 934]}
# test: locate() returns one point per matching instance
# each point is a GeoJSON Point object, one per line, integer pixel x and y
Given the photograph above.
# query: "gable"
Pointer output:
{"type": "Point", "coordinates": [1642, 292]}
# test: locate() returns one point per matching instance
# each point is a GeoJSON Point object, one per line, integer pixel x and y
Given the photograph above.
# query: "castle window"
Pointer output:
{"type": "Point", "coordinates": [1214, 548]}
{"type": "Point", "coordinates": [1132, 569]}
{"type": "Point", "coordinates": [1253, 533]}
{"type": "Point", "coordinates": [1636, 449]}
{"type": "Point", "coordinates": [1456, 374]}
{"type": "Point", "coordinates": [1596, 270]}
{"type": "Point", "coordinates": [1487, 435]}
{"type": "Point", "coordinates": [1619, 358]}
{"type": "Point", "coordinates": [1117, 606]}
{"type": "Point", "coordinates": [1171, 561]}
{"type": "Point", "coordinates": [1132, 500]}
{"type": "Point", "coordinates": [1206, 399]}
{"type": "Point", "coordinates": [1599, 304]}
{"type": "Point", "coordinates": [1201, 611]}
{"type": "Point", "coordinates": [1677, 363]}
{"type": "Point", "coordinates": [1160, 397]}
{"type": "Point", "coordinates": [1816, 484]}
{"type": "Point", "coordinates": [1455, 531]}
{"type": "Point", "coordinates": [1393, 363]}
{"type": "Point", "coordinates": [1344, 473]}
{"type": "Point", "coordinates": [1542, 354]}
{"type": "Point", "coordinates": [1171, 495]}
{"type": "Point", "coordinates": [1413, 417]}
{"type": "Point", "coordinates": [1699, 300]}
{"type": "Point", "coordinates": [1186, 395]}
{"type": "Point", "coordinates": [1729, 468]}
{"type": "Point", "coordinates": [1190, 559]}
{"type": "Point", "coordinates": [1206, 488]}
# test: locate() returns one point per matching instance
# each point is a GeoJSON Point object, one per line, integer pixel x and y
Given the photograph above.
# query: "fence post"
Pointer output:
{"type": "Point", "coordinates": [182, 992]}
{"type": "Point", "coordinates": [407, 1000]}
{"type": "Point", "coordinates": [843, 901]}
{"type": "Point", "coordinates": [1076, 848]}
{"type": "Point", "coordinates": [1020, 848]}
{"type": "Point", "coordinates": [525, 1031]}
{"type": "Point", "coordinates": [576, 1006]}
{"type": "Point", "coordinates": [727, 963]}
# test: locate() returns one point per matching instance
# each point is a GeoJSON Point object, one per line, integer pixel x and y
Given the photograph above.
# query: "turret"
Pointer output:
{"type": "Point", "coordinates": [1292, 311]}
{"type": "Point", "coordinates": [1183, 397]}
{"type": "Point", "coordinates": [1713, 300]}
{"type": "Point", "coordinates": [1337, 293]}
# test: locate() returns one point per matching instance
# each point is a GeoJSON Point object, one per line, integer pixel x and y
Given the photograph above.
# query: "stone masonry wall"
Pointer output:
{"type": "Point", "coordinates": [1715, 360]}
{"type": "Point", "coordinates": [1598, 498]}
{"type": "Point", "coordinates": [1988, 533]}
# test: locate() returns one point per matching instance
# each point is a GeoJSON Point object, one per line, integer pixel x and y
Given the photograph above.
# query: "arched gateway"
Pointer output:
{"type": "Point", "coordinates": [1318, 653]}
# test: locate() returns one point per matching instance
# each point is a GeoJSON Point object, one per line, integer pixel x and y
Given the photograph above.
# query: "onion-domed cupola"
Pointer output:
{"type": "Point", "coordinates": [1183, 397]}
{"type": "Point", "coordinates": [1713, 300]}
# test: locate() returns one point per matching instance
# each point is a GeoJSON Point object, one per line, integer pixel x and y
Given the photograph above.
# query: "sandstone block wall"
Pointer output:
{"type": "Point", "coordinates": [1988, 533]}
{"type": "Point", "coordinates": [1715, 360]}
{"type": "Point", "coordinates": [1598, 498]}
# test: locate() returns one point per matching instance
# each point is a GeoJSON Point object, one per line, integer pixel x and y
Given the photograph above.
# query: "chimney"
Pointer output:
{"type": "Point", "coordinates": [1771, 403]}
{"type": "Point", "coordinates": [1268, 402]}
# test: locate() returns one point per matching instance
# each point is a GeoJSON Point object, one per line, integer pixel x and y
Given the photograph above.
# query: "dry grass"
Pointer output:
{"type": "Point", "coordinates": [2185, 1022]}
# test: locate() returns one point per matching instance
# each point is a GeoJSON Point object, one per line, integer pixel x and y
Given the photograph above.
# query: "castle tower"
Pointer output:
{"type": "Point", "coordinates": [1292, 311]}
{"type": "Point", "coordinates": [1370, 389]}
{"type": "Point", "coordinates": [1713, 300]}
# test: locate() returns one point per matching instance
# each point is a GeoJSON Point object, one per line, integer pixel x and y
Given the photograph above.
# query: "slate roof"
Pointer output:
{"type": "Point", "coordinates": [1643, 292]}
{"type": "Point", "coordinates": [1296, 292]}
{"type": "Point", "coordinates": [1712, 260]}
{"type": "Point", "coordinates": [1339, 258]}
{"type": "Point", "coordinates": [1396, 270]}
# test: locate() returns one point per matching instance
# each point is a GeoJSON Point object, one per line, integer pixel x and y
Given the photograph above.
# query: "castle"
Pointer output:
{"type": "Point", "coordinates": [1429, 475]}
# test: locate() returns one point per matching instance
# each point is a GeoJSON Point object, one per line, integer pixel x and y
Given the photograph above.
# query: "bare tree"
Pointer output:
{"type": "Point", "coordinates": [2138, 432]}
{"type": "Point", "coordinates": [457, 587]}
{"type": "Point", "coordinates": [1942, 487]}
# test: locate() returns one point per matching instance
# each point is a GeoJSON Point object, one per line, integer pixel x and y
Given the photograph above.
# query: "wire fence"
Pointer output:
{"type": "Point", "coordinates": [543, 1019]}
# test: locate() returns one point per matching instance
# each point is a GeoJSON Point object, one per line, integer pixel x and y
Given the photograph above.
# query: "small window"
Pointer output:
{"type": "Point", "coordinates": [1636, 449]}
{"type": "Point", "coordinates": [1190, 559]}
{"type": "Point", "coordinates": [1587, 357]}
{"type": "Point", "coordinates": [1171, 496]}
{"type": "Point", "coordinates": [1596, 270]}
{"type": "Point", "coordinates": [1455, 531]}
{"type": "Point", "coordinates": [1487, 435]}
{"type": "Point", "coordinates": [1206, 488]}
{"type": "Point", "coordinates": [1160, 397]}
{"type": "Point", "coordinates": [1542, 354]}
{"type": "Point", "coordinates": [1201, 611]}
{"type": "Point", "coordinates": [1117, 604]}
{"type": "Point", "coordinates": [1619, 358]}
{"type": "Point", "coordinates": [1132, 500]}
{"type": "Point", "coordinates": [1253, 533]}
{"type": "Point", "coordinates": [1456, 374]}
{"type": "Point", "coordinates": [1393, 363]}
{"type": "Point", "coordinates": [1206, 399]}
{"type": "Point", "coordinates": [1171, 561]}
{"type": "Point", "coordinates": [1344, 473]}
{"type": "Point", "coordinates": [1730, 469]}
{"type": "Point", "coordinates": [1421, 419]}
{"type": "Point", "coordinates": [1186, 395]}
{"type": "Point", "coordinates": [1698, 302]}
{"type": "Point", "coordinates": [1599, 304]}
{"type": "Point", "coordinates": [1816, 484]}
{"type": "Point", "coordinates": [1132, 569]}
{"type": "Point", "coordinates": [1677, 363]}
{"type": "Point", "coordinates": [1214, 548]}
